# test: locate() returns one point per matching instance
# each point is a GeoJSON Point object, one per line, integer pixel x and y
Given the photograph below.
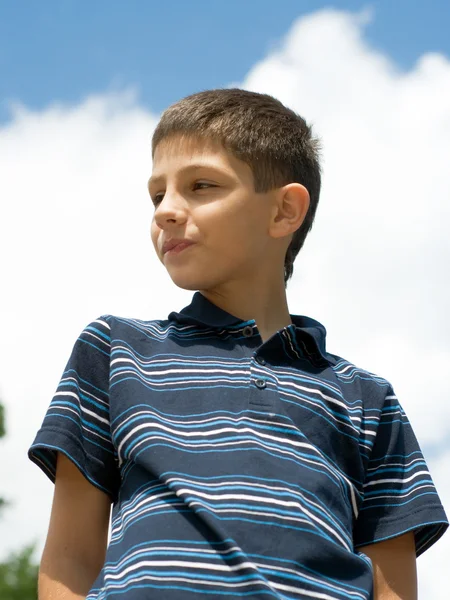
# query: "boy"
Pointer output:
{"type": "Point", "coordinates": [241, 458]}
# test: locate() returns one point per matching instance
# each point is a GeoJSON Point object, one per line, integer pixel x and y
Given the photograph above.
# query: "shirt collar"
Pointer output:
{"type": "Point", "coordinates": [202, 311]}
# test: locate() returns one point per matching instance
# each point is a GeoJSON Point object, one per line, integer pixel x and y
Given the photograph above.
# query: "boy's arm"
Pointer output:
{"type": "Point", "coordinates": [394, 567]}
{"type": "Point", "coordinates": [77, 538]}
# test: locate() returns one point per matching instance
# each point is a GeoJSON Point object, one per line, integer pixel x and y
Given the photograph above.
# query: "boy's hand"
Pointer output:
{"type": "Point", "coordinates": [394, 566]}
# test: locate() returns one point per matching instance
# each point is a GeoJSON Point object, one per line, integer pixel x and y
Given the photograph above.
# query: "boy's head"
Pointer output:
{"type": "Point", "coordinates": [263, 168]}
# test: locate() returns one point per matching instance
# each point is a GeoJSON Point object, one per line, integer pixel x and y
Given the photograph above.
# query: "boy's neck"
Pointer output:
{"type": "Point", "coordinates": [269, 310]}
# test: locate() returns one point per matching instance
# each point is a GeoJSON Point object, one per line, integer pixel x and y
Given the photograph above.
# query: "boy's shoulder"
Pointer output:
{"type": "Point", "coordinates": [348, 374]}
{"type": "Point", "coordinates": [121, 323]}
{"type": "Point", "coordinates": [347, 371]}
{"type": "Point", "coordinates": [111, 319]}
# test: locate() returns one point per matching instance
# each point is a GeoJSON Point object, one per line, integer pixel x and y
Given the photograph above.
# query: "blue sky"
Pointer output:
{"type": "Point", "coordinates": [62, 50]}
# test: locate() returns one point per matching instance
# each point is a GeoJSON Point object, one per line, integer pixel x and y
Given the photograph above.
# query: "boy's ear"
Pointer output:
{"type": "Point", "coordinates": [291, 208]}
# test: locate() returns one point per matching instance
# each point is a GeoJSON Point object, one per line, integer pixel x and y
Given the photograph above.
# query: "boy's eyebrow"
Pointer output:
{"type": "Point", "coordinates": [192, 167]}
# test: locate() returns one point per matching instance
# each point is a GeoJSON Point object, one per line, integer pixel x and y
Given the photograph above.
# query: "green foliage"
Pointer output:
{"type": "Point", "coordinates": [18, 576]}
{"type": "Point", "coordinates": [2, 420]}
{"type": "Point", "coordinates": [18, 573]}
{"type": "Point", "coordinates": [3, 502]}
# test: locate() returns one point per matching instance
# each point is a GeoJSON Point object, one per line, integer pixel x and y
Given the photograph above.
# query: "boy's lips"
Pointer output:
{"type": "Point", "coordinates": [175, 242]}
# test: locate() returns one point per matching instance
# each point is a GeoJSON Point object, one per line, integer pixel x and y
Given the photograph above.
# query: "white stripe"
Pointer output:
{"type": "Point", "coordinates": [184, 564]}
{"type": "Point", "coordinates": [274, 515]}
{"type": "Point", "coordinates": [108, 344]}
{"type": "Point", "coordinates": [349, 366]}
{"type": "Point", "coordinates": [221, 417]}
{"type": "Point", "coordinates": [82, 389]}
{"type": "Point", "coordinates": [237, 497]}
{"type": "Point", "coordinates": [91, 431]}
{"type": "Point", "coordinates": [147, 500]}
{"type": "Point", "coordinates": [104, 323]}
{"type": "Point", "coordinates": [172, 384]}
{"type": "Point", "coordinates": [325, 466]}
{"type": "Point", "coordinates": [267, 565]}
{"type": "Point", "coordinates": [229, 372]}
{"type": "Point", "coordinates": [310, 578]}
{"type": "Point", "coordinates": [212, 432]}
{"type": "Point", "coordinates": [303, 591]}
{"type": "Point", "coordinates": [305, 460]}
{"type": "Point", "coordinates": [235, 431]}
{"type": "Point", "coordinates": [286, 490]}
{"type": "Point", "coordinates": [394, 496]}
{"type": "Point", "coordinates": [87, 411]}
{"type": "Point", "coordinates": [326, 409]}
{"type": "Point", "coordinates": [204, 360]}
{"type": "Point", "coordinates": [163, 578]}
{"type": "Point", "coordinates": [116, 532]}
{"type": "Point", "coordinates": [395, 464]}
{"type": "Point", "coordinates": [380, 481]}
{"type": "Point", "coordinates": [176, 549]}
{"type": "Point", "coordinates": [271, 584]}
{"type": "Point", "coordinates": [317, 392]}
{"type": "Point", "coordinates": [368, 432]}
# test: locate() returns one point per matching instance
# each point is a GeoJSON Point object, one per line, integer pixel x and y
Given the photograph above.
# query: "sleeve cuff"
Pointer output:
{"type": "Point", "coordinates": [43, 453]}
{"type": "Point", "coordinates": [428, 524]}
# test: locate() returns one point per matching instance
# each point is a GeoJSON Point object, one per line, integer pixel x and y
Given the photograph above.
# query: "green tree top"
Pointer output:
{"type": "Point", "coordinates": [18, 574]}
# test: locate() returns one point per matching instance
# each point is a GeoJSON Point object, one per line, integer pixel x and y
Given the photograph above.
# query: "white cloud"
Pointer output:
{"type": "Point", "coordinates": [374, 266]}
{"type": "Point", "coordinates": [74, 235]}
{"type": "Point", "coordinates": [75, 225]}
{"type": "Point", "coordinates": [433, 564]}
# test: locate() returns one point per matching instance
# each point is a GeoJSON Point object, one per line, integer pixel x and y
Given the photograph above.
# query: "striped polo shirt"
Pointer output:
{"type": "Point", "coordinates": [236, 468]}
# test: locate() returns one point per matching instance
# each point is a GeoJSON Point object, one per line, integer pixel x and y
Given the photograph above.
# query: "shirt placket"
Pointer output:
{"type": "Point", "coordinates": [260, 396]}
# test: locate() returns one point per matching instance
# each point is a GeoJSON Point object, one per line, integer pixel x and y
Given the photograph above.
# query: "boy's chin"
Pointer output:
{"type": "Point", "coordinates": [188, 283]}
{"type": "Point", "coordinates": [192, 282]}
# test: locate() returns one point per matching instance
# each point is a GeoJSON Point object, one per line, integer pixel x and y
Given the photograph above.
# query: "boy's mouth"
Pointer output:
{"type": "Point", "coordinates": [176, 245]}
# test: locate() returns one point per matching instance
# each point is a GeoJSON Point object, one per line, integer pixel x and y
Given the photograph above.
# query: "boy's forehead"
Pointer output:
{"type": "Point", "coordinates": [187, 147]}
{"type": "Point", "coordinates": [177, 152]}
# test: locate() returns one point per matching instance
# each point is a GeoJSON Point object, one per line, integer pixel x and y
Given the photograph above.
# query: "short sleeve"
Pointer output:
{"type": "Point", "coordinates": [77, 420]}
{"type": "Point", "coordinates": [398, 493]}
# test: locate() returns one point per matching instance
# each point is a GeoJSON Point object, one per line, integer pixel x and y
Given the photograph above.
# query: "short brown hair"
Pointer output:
{"type": "Point", "coordinates": [258, 129]}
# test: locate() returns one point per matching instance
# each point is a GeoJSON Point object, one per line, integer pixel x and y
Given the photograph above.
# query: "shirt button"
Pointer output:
{"type": "Point", "coordinates": [247, 331]}
{"type": "Point", "coordinates": [261, 360]}
{"type": "Point", "coordinates": [260, 383]}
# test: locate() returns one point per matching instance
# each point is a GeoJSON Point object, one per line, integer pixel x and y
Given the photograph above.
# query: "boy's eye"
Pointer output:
{"type": "Point", "coordinates": [197, 185]}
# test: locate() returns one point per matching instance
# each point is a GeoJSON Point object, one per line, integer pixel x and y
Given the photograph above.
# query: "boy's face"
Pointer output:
{"type": "Point", "coordinates": [204, 194]}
